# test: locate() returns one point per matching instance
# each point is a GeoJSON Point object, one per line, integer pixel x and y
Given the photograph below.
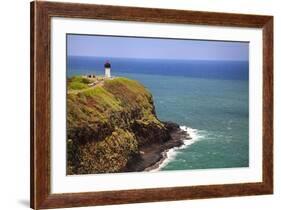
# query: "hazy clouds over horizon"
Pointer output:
{"type": "Point", "coordinates": [155, 48]}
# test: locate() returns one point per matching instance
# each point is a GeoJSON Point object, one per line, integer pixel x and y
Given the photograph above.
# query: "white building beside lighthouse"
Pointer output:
{"type": "Point", "coordinates": [107, 70]}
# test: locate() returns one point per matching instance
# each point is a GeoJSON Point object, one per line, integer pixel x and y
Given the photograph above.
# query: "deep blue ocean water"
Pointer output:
{"type": "Point", "coordinates": [210, 98]}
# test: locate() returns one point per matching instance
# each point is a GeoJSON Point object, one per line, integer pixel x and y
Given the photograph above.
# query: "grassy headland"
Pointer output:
{"type": "Point", "coordinates": [109, 123]}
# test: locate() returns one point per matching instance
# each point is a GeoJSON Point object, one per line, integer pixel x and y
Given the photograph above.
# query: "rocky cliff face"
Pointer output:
{"type": "Point", "coordinates": [108, 124]}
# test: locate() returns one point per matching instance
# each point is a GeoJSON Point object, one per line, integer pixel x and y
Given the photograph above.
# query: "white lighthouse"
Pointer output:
{"type": "Point", "coordinates": [107, 69]}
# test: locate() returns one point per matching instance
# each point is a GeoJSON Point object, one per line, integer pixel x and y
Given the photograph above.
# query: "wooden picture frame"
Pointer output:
{"type": "Point", "coordinates": [41, 14]}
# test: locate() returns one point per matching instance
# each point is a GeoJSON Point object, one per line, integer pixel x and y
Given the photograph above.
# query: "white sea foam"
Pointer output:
{"type": "Point", "coordinates": [172, 153]}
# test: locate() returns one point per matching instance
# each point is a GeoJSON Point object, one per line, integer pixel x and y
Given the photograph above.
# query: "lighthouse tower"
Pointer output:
{"type": "Point", "coordinates": [107, 69]}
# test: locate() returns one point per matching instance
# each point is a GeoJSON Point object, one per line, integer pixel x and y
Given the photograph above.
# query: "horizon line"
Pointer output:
{"type": "Point", "coordinates": [153, 58]}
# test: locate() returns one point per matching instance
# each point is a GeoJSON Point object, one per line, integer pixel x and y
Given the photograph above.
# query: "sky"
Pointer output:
{"type": "Point", "coordinates": [155, 48]}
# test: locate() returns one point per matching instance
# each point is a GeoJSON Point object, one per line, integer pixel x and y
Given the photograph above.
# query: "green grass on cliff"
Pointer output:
{"type": "Point", "coordinates": [97, 103]}
{"type": "Point", "coordinates": [104, 98]}
{"type": "Point", "coordinates": [78, 83]}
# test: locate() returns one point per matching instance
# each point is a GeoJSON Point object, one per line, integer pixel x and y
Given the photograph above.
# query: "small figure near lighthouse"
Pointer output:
{"type": "Point", "coordinates": [107, 70]}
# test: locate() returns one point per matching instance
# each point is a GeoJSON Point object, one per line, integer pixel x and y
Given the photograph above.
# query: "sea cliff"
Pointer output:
{"type": "Point", "coordinates": [112, 127]}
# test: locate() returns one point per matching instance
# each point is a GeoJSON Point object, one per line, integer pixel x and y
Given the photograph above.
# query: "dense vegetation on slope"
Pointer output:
{"type": "Point", "coordinates": [108, 123]}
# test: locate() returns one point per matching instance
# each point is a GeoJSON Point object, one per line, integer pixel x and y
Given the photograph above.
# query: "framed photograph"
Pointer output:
{"type": "Point", "coordinates": [141, 105]}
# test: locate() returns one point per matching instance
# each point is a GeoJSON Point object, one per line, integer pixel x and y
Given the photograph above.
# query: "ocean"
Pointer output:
{"type": "Point", "coordinates": [209, 99]}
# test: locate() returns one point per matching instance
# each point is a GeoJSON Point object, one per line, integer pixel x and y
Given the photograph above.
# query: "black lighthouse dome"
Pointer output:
{"type": "Point", "coordinates": [107, 65]}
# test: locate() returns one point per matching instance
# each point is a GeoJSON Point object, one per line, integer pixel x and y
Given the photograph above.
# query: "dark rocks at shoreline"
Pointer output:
{"type": "Point", "coordinates": [151, 156]}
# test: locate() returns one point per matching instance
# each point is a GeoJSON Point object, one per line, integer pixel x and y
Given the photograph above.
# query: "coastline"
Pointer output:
{"type": "Point", "coordinates": [133, 138]}
{"type": "Point", "coordinates": [152, 156]}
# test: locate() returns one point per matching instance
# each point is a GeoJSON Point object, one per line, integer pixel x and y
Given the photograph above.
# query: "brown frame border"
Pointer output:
{"type": "Point", "coordinates": [41, 14]}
